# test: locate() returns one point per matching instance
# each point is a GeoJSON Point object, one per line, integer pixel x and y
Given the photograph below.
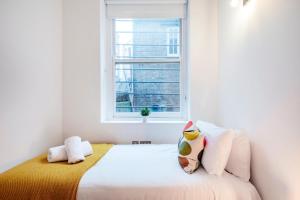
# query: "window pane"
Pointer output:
{"type": "Point", "coordinates": [144, 38]}
{"type": "Point", "coordinates": [155, 86]}
{"type": "Point", "coordinates": [150, 83]}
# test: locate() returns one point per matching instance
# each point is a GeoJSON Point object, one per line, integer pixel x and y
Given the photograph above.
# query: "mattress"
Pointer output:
{"type": "Point", "coordinates": [152, 172]}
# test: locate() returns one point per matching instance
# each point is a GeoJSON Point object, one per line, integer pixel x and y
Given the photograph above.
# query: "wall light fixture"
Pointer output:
{"type": "Point", "coordinates": [245, 2]}
{"type": "Point", "coordinates": [236, 3]}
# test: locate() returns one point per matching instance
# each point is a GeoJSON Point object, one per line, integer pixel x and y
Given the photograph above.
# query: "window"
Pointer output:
{"type": "Point", "coordinates": [173, 41]}
{"type": "Point", "coordinates": [147, 65]}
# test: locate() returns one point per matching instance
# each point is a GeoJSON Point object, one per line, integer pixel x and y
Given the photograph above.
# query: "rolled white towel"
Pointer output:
{"type": "Point", "coordinates": [73, 149]}
{"type": "Point", "coordinates": [87, 148]}
{"type": "Point", "coordinates": [58, 153]}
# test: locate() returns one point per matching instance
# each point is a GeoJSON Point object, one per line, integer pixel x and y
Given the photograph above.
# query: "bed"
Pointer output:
{"type": "Point", "coordinates": [152, 172]}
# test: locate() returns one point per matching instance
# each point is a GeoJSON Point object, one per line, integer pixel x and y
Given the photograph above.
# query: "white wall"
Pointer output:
{"type": "Point", "coordinates": [260, 88]}
{"type": "Point", "coordinates": [30, 78]}
{"type": "Point", "coordinates": [82, 75]}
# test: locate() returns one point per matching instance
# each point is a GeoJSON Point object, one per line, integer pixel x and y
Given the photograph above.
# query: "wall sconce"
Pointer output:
{"type": "Point", "coordinates": [245, 2]}
{"type": "Point", "coordinates": [236, 3]}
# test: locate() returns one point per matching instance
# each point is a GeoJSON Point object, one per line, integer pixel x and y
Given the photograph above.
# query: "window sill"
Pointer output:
{"type": "Point", "coordinates": [140, 121]}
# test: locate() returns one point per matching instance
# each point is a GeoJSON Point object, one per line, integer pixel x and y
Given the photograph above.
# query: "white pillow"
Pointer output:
{"type": "Point", "coordinates": [218, 147]}
{"type": "Point", "coordinates": [239, 160]}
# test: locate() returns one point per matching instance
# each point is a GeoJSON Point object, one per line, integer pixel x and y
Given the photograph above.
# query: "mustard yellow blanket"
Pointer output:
{"type": "Point", "coordinates": [38, 179]}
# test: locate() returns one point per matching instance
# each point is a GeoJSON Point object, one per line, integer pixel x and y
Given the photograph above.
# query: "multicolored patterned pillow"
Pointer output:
{"type": "Point", "coordinates": [190, 148]}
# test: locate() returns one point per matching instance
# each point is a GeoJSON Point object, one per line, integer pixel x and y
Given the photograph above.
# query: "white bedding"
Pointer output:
{"type": "Point", "coordinates": [152, 172]}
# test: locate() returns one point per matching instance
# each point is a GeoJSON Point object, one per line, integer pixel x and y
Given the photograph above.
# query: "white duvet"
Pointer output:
{"type": "Point", "coordinates": [152, 172]}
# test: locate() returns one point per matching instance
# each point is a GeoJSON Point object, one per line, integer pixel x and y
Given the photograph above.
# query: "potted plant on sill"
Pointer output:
{"type": "Point", "coordinates": [145, 112]}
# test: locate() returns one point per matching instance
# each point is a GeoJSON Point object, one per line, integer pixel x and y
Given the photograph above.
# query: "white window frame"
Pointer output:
{"type": "Point", "coordinates": [110, 69]}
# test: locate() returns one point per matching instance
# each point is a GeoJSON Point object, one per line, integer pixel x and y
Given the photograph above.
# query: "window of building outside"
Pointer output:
{"type": "Point", "coordinates": [172, 40]}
